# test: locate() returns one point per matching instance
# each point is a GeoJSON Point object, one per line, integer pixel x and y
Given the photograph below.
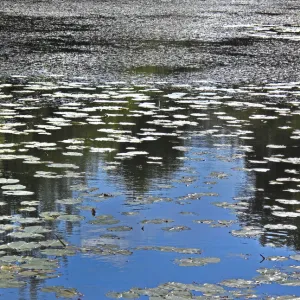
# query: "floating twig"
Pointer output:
{"type": "Point", "coordinates": [60, 240]}
{"type": "Point", "coordinates": [263, 258]}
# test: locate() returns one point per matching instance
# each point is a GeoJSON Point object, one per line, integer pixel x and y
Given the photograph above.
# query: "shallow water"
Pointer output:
{"type": "Point", "coordinates": [203, 168]}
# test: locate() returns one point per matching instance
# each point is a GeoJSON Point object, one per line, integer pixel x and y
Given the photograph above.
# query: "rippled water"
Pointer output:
{"type": "Point", "coordinates": [115, 186]}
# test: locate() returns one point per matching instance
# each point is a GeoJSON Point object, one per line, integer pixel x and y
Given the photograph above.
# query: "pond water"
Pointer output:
{"type": "Point", "coordinates": [149, 191]}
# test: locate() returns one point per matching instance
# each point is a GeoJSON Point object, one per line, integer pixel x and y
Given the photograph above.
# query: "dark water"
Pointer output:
{"type": "Point", "coordinates": [149, 150]}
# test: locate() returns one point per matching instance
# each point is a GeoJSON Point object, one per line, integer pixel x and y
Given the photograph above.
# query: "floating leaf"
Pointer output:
{"type": "Point", "coordinates": [24, 235]}
{"type": "Point", "coordinates": [69, 201]}
{"type": "Point", "coordinates": [13, 187]}
{"type": "Point", "coordinates": [21, 246]}
{"type": "Point", "coordinates": [157, 221]}
{"type": "Point", "coordinates": [171, 249]}
{"type": "Point", "coordinates": [104, 220]}
{"type": "Point", "coordinates": [8, 181]}
{"type": "Point", "coordinates": [280, 227]}
{"type": "Point", "coordinates": [238, 283]}
{"type": "Point", "coordinates": [176, 228]}
{"type": "Point", "coordinates": [62, 292]}
{"type": "Point", "coordinates": [196, 261]}
{"type": "Point", "coordinates": [18, 193]}
{"type": "Point", "coordinates": [247, 231]}
{"type": "Point", "coordinates": [58, 252]}
{"type": "Point", "coordinates": [70, 218]}
{"type": "Point", "coordinates": [120, 228]}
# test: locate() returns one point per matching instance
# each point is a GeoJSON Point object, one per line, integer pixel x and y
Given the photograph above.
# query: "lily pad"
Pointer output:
{"type": "Point", "coordinates": [196, 261]}
{"type": "Point", "coordinates": [120, 228]}
{"type": "Point", "coordinates": [130, 213]}
{"type": "Point", "coordinates": [295, 257]}
{"type": "Point", "coordinates": [280, 227]}
{"type": "Point", "coordinates": [238, 283]}
{"type": "Point", "coordinates": [248, 231]}
{"type": "Point", "coordinates": [30, 203]}
{"type": "Point", "coordinates": [13, 187]}
{"type": "Point", "coordinates": [104, 220]}
{"type": "Point", "coordinates": [52, 243]}
{"type": "Point", "coordinates": [157, 221]}
{"type": "Point", "coordinates": [20, 246]}
{"type": "Point", "coordinates": [69, 201]}
{"type": "Point", "coordinates": [176, 228]}
{"type": "Point", "coordinates": [8, 181]}
{"type": "Point", "coordinates": [50, 215]}
{"type": "Point", "coordinates": [58, 252]}
{"type": "Point", "coordinates": [33, 263]}
{"type": "Point", "coordinates": [62, 292]}
{"type": "Point", "coordinates": [171, 249]}
{"type": "Point", "coordinates": [18, 193]}
{"type": "Point", "coordinates": [70, 218]}
{"type": "Point", "coordinates": [11, 284]}
{"type": "Point", "coordinates": [25, 235]}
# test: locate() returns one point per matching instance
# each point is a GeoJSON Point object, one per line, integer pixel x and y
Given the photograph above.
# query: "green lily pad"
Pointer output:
{"type": "Point", "coordinates": [120, 228]}
{"type": "Point", "coordinates": [28, 209]}
{"type": "Point", "coordinates": [171, 249]}
{"type": "Point", "coordinates": [4, 284]}
{"type": "Point", "coordinates": [277, 258]}
{"type": "Point", "coordinates": [176, 228]}
{"type": "Point", "coordinates": [106, 250]}
{"type": "Point", "coordinates": [30, 203]}
{"type": "Point", "coordinates": [104, 220]}
{"type": "Point", "coordinates": [52, 243]}
{"type": "Point", "coordinates": [25, 235]}
{"type": "Point", "coordinates": [13, 187]}
{"type": "Point", "coordinates": [61, 292]}
{"type": "Point", "coordinates": [8, 227]}
{"type": "Point", "coordinates": [8, 181]}
{"type": "Point", "coordinates": [51, 215]}
{"type": "Point", "coordinates": [157, 221]}
{"type": "Point", "coordinates": [295, 257]}
{"type": "Point", "coordinates": [28, 220]}
{"type": "Point", "coordinates": [11, 259]}
{"type": "Point", "coordinates": [291, 283]}
{"type": "Point", "coordinates": [70, 218]}
{"type": "Point", "coordinates": [69, 201]}
{"type": "Point", "coordinates": [196, 261]}
{"type": "Point", "coordinates": [21, 246]}
{"type": "Point", "coordinates": [130, 213]}
{"type": "Point", "coordinates": [58, 252]}
{"type": "Point", "coordinates": [32, 263]}
{"type": "Point", "coordinates": [64, 166]}
{"type": "Point", "coordinates": [238, 283]}
{"type": "Point", "coordinates": [126, 295]}
{"type": "Point", "coordinates": [36, 229]}
{"type": "Point", "coordinates": [248, 231]}
{"type": "Point", "coordinates": [110, 236]}
{"type": "Point", "coordinates": [18, 193]}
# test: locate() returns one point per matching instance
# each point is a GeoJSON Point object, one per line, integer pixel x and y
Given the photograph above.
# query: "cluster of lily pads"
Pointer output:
{"type": "Point", "coordinates": [110, 114]}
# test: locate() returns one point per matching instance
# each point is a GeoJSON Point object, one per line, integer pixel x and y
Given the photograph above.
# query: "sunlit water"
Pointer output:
{"type": "Point", "coordinates": [139, 186]}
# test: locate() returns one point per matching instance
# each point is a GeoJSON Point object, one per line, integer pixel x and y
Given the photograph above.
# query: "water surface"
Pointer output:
{"type": "Point", "coordinates": [141, 185]}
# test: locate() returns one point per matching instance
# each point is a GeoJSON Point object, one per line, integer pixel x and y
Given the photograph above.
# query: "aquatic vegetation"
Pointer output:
{"type": "Point", "coordinates": [171, 249]}
{"type": "Point", "coordinates": [62, 292]}
{"type": "Point", "coordinates": [111, 165]}
{"type": "Point", "coordinates": [196, 261]}
{"type": "Point", "coordinates": [176, 228]}
{"type": "Point", "coordinates": [248, 231]}
{"type": "Point", "coordinates": [104, 220]}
